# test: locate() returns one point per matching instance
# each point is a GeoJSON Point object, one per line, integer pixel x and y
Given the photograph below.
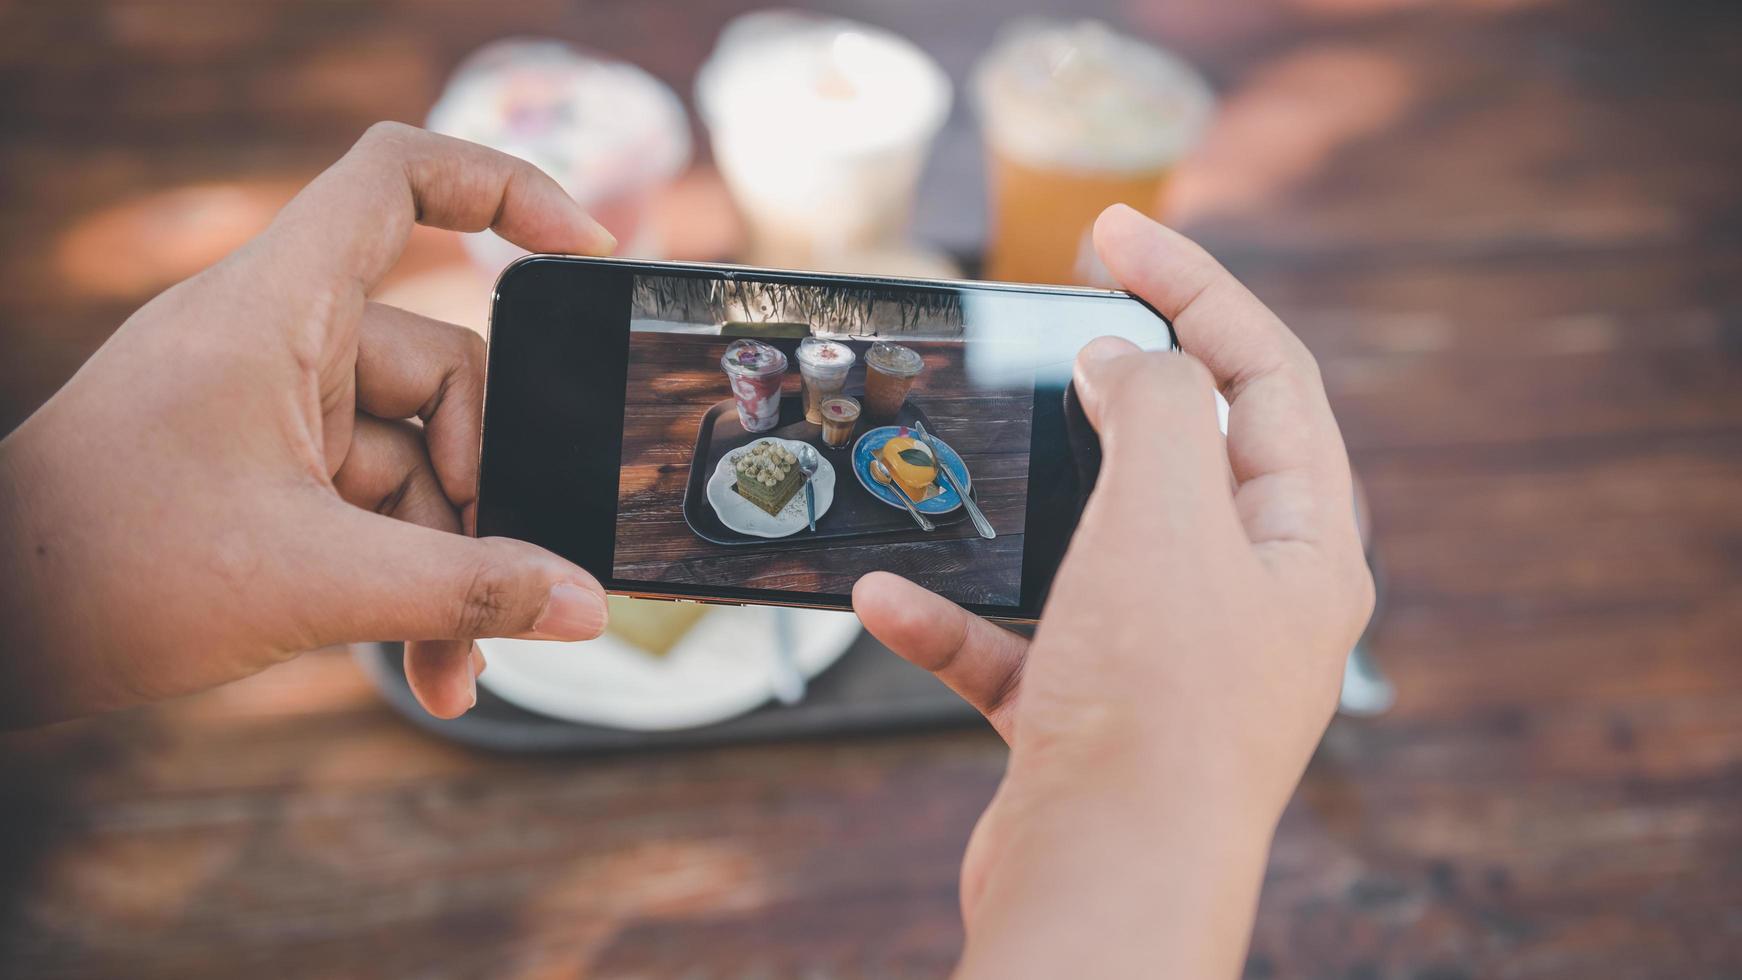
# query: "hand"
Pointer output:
{"type": "Point", "coordinates": [1189, 655]}
{"type": "Point", "coordinates": [261, 461]}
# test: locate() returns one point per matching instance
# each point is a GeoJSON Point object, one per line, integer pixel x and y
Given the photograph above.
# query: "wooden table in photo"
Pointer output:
{"type": "Point", "coordinates": [672, 384]}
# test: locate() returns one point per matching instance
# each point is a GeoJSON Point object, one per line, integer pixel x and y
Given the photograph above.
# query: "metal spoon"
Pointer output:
{"type": "Point", "coordinates": [981, 524]}
{"type": "Point", "coordinates": [807, 464]}
{"type": "Point", "coordinates": [881, 472]}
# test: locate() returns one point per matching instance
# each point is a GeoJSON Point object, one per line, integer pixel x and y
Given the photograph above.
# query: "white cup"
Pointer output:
{"type": "Point", "coordinates": [610, 133]}
{"type": "Point", "coordinates": [820, 128]}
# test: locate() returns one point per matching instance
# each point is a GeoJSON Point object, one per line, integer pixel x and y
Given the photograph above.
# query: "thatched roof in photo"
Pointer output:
{"type": "Point", "coordinates": [851, 312]}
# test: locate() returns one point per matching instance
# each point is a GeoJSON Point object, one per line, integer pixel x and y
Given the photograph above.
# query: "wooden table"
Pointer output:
{"type": "Point", "coordinates": [677, 380]}
{"type": "Point", "coordinates": [1508, 230]}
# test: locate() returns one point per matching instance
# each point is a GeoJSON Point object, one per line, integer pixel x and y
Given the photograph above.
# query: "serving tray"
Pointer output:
{"type": "Point", "coordinates": [855, 511]}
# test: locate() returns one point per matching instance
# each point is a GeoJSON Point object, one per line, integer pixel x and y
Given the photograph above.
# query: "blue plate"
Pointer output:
{"type": "Point", "coordinates": [872, 442]}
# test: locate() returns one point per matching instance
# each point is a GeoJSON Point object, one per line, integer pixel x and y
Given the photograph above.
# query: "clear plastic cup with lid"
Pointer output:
{"type": "Point", "coordinates": [820, 127]}
{"type": "Point", "coordinates": [890, 370]}
{"type": "Point", "coordinates": [610, 133]}
{"type": "Point", "coordinates": [756, 371]}
{"type": "Point", "coordinates": [823, 364]}
{"type": "Point", "coordinates": [1077, 116]}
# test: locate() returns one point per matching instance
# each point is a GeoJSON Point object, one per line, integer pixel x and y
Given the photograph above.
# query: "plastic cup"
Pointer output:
{"type": "Point", "coordinates": [820, 128]}
{"type": "Point", "coordinates": [823, 364]}
{"type": "Point", "coordinates": [755, 371]}
{"type": "Point", "coordinates": [889, 373]}
{"type": "Point", "coordinates": [840, 415]}
{"type": "Point", "coordinates": [1077, 117]}
{"type": "Point", "coordinates": [608, 132]}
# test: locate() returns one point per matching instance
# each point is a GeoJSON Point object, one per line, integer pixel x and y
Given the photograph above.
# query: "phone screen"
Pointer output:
{"type": "Point", "coordinates": [750, 435]}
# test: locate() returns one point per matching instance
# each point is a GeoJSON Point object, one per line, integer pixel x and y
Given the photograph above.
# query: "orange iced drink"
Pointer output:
{"type": "Point", "coordinates": [889, 373]}
{"type": "Point", "coordinates": [1077, 117]}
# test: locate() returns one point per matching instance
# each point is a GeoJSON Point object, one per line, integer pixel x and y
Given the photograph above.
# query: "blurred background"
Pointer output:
{"type": "Point", "coordinates": [1507, 228]}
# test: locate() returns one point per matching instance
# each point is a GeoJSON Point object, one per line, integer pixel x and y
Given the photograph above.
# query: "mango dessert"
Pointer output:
{"type": "Point", "coordinates": [913, 466]}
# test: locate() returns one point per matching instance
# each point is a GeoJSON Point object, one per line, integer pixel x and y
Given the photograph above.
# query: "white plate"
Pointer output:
{"type": "Point", "coordinates": [746, 518]}
{"type": "Point", "coordinates": [724, 667]}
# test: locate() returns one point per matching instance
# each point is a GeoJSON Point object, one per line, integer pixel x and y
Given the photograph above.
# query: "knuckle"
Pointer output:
{"type": "Point", "coordinates": [1364, 592]}
{"type": "Point", "coordinates": [474, 353]}
{"type": "Point", "coordinates": [1303, 365]}
{"type": "Point", "coordinates": [463, 372]}
{"type": "Point", "coordinates": [488, 606]}
{"type": "Point", "coordinates": [1350, 594]}
{"type": "Point", "coordinates": [386, 137]}
{"type": "Point", "coordinates": [388, 130]}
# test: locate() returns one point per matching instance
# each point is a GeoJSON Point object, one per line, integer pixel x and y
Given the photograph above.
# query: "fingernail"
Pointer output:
{"type": "Point", "coordinates": [572, 613]}
{"type": "Point", "coordinates": [478, 663]}
{"type": "Point", "coordinates": [606, 243]}
{"type": "Point", "coordinates": [474, 702]}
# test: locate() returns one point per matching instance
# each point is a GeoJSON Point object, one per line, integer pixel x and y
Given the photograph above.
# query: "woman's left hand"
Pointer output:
{"type": "Point", "coordinates": [261, 461]}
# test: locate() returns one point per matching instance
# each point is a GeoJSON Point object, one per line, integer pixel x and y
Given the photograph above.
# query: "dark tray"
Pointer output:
{"type": "Point", "coordinates": [869, 689]}
{"type": "Point", "coordinates": [855, 512]}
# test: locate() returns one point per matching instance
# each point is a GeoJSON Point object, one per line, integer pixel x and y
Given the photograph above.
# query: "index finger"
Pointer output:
{"type": "Point", "coordinates": [352, 221]}
{"type": "Point", "coordinates": [1281, 433]}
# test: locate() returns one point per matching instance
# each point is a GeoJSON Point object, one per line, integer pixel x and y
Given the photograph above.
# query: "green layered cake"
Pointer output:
{"type": "Point", "coordinates": [768, 476]}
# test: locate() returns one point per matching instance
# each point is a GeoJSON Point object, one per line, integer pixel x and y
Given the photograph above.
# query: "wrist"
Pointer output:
{"type": "Point", "coordinates": [44, 586]}
{"type": "Point", "coordinates": [1119, 870]}
{"type": "Point", "coordinates": [25, 562]}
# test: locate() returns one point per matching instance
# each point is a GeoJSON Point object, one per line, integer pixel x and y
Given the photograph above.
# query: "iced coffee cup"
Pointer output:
{"type": "Point", "coordinates": [823, 365]}
{"type": "Point", "coordinates": [820, 127]}
{"type": "Point", "coordinates": [1077, 117]}
{"type": "Point", "coordinates": [840, 415]}
{"type": "Point", "coordinates": [756, 371]}
{"type": "Point", "coordinates": [889, 373]}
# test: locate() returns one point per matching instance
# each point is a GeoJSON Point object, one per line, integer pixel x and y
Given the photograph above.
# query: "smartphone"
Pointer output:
{"type": "Point", "coordinates": [724, 434]}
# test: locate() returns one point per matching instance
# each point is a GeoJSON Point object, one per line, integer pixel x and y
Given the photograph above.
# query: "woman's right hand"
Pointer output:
{"type": "Point", "coordinates": [1188, 658]}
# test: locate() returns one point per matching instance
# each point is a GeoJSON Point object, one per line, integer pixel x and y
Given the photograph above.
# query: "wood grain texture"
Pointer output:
{"type": "Point", "coordinates": [1509, 232]}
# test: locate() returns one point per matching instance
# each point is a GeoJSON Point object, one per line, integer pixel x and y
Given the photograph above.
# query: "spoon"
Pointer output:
{"type": "Point", "coordinates": [807, 464]}
{"type": "Point", "coordinates": [981, 524]}
{"type": "Point", "coordinates": [881, 472]}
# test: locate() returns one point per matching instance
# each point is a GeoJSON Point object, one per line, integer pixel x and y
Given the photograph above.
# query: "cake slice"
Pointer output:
{"type": "Point", "coordinates": [768, 476]}
{"type": "Point", "coordinates": [652, 627]}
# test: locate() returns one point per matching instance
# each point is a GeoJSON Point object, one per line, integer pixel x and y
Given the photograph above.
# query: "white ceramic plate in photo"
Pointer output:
{"type": "Point", "coordinates": [746, 518]}
{"type": "Point", "coordinates": [723, 667]}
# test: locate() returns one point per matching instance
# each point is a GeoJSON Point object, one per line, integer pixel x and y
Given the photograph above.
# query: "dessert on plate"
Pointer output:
{"type": "Point", "coordinates": [914, 467]}
{"type": "Point", "coordinates": [767, 475]}
{"type": "Point", "coordinates": [652, 627]}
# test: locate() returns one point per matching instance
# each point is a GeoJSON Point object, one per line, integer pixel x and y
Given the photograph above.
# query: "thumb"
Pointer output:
{"type": "Point", "coordinates": [979, 661]}
{"type": "Point", "coordinates": [401, 581]}
{"type": "Point", "coordinates": [1155, 413]}
{"type": "Point", "coordinates": [1090, 376]}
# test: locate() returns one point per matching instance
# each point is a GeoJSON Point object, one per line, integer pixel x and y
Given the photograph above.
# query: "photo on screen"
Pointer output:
{"type": "Point", "coordinates": [783, 436]}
